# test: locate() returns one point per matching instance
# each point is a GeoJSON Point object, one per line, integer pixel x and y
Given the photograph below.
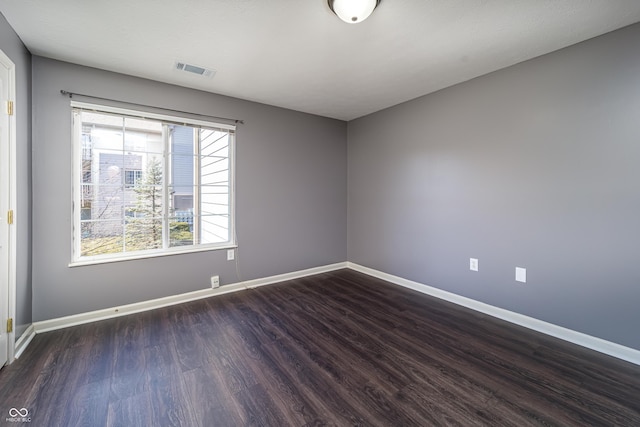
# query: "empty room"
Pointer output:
{"type": "Point", "coordinates": [321, 212]}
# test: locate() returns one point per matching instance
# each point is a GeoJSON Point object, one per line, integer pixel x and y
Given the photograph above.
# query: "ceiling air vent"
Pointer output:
{"type": "Point", "coordinates": [194, 69]}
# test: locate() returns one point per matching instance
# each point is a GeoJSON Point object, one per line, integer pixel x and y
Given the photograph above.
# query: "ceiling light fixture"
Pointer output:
{"type": "Point", "coordinates": [353, 11]}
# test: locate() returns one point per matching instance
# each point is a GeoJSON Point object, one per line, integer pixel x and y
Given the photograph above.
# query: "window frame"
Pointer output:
{"type": "Point", "coordinates": [77, 176]}
{"type": "Point", "coordinates": [136, 174]}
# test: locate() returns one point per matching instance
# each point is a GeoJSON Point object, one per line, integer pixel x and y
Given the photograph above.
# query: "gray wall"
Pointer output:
{"type": "Point", "coordinates": [537, 166]}
{"type": "Point", "coordinates": [291, 195]}
{"type": "Point", "coordinates": [534, 165]}
{"type": "Point", "coordinates": [12, 46]}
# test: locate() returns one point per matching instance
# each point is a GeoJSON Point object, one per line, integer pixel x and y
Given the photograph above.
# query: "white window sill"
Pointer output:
{"type": "Point", "coordinates": [147, 254]}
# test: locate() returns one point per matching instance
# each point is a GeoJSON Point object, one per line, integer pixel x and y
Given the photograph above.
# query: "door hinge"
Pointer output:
{"type": "Point", "coordinates": [10, 325]}
{"type": "Point", "coordinates": [10, 217]}
{"type": "Point", "coordinates": [10, 108]}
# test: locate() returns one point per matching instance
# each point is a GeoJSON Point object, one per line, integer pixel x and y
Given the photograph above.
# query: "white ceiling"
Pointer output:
{"type": "Point", "coordinates": [296, 54]}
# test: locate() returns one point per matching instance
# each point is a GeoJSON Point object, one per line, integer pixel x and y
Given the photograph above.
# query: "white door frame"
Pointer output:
{"type": "Point", "coordinates": [8, 167]}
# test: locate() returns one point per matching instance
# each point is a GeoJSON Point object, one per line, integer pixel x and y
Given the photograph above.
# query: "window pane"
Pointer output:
{"type": "Point", "coordinates": [214, 187]}
{"type": "Point", "coordinates": [181, 229]}
{"type": "Point", "coordinates": [148, 185]}
{"type": "Point", "coordinates": [143, 233]}
{"type": "Point", "coordinates": [101, 237]}
{"type": "Point", "coordinates": [215, 228]}
{"type": "Point", "coordinates": [143, 136]}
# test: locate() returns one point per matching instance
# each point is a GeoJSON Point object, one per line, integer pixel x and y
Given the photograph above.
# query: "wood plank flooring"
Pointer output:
{"type": "Point", "coordinates": [339, 349]}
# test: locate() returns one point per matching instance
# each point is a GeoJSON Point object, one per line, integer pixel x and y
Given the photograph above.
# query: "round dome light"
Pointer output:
{"type": "Point", "coordinates": [353, 11]}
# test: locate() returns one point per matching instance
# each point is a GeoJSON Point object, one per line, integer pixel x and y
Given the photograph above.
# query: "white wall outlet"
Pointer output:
{"type": "Point", "coordinates": [473, 264]}
{"type": "Point", "coordinates": [215, 281]}
{"type": "Point", "coordinates": [231, 254]}
{"type": "Point", "coordinates": [521, 274]}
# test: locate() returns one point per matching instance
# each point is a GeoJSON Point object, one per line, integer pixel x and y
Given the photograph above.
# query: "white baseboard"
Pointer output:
{"type": "Point", "coordinates": [108, 313]}
{"type": "Point", "coordinates": [252, 284]}
{"type": "Point", "coordinates": [24, 340]}
{"type": "Point", "coordinates": [584, 340]}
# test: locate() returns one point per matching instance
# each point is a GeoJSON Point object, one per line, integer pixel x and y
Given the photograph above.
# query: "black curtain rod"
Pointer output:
{"type": "Point", "coordinates": [71, 95]}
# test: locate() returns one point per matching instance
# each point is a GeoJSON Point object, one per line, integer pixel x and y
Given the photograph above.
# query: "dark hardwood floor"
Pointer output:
{"type": "Point", "coordinates": [338, 349]}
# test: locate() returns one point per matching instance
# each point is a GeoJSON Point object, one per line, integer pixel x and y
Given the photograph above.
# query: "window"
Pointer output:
{"type": "Point", "coordinates": [148, 184]}
{"type": "Point", "coordinates": [132, 177]}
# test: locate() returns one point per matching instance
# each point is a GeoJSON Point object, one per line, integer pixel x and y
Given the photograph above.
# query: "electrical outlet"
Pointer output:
{"type": "Point", "coordinates": [521, 274]}
{"type": "Point", "coordinates": [215, 281]}
{"type": "Point", "coordinates": [473, 264]}
{"type": "Point", "coordinates": [231, 254]}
